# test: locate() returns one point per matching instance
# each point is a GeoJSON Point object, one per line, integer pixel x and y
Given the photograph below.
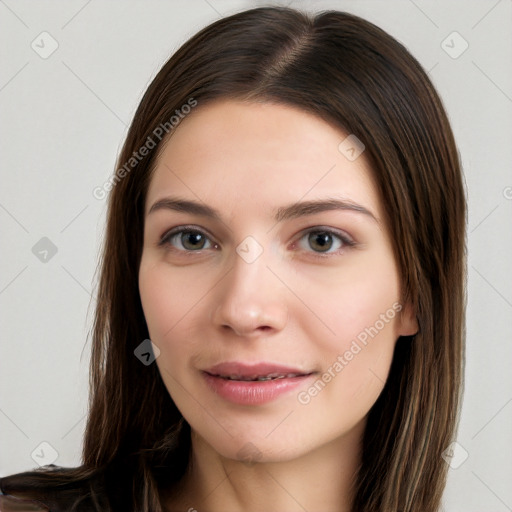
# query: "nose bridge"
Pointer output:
{"type": "Point", "coordinates": [250, 297]}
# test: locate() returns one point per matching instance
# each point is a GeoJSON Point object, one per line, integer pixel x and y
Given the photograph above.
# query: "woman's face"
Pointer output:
{"type": "Point", "coordinates": [274, 308]}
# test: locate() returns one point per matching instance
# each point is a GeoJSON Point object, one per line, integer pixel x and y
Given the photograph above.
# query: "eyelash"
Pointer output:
{"type": "Point", "coordinates": [347, 242]}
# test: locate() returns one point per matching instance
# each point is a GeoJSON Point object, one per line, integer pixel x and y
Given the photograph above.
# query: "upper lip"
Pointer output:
{"type": "Point", "coordinates": [246, 370]}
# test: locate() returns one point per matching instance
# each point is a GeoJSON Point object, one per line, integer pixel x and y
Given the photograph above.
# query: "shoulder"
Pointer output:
{"type": "Point", "coordinates": [53, 489]}
{"type": "Point", "coordinates": [12, 503]}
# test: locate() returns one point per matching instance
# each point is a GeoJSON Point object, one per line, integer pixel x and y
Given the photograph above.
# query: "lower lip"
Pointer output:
{"type": "Point", "coordinates": [253, 392]}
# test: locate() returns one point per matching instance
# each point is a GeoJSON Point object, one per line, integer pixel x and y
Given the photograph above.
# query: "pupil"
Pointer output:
{"type": "Point", "coordinates": [192, 240]}
{"type": "Point", "coordinates": [321, 241]}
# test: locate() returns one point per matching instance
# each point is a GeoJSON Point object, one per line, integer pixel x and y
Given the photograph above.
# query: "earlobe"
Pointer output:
{"type": "Point", "coordinates": [408, 324]}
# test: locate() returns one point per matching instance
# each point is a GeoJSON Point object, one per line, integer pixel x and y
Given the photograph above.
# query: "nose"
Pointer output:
{"type": "Point", "coordinates": [251, 300]}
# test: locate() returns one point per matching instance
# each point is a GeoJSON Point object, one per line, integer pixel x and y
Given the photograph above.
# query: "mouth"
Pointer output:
{"type": "Point", "coordinates": [260, 378]}
{"type": "Point", "coordinates": [253, 384]}
{"type": "Point", "coordinates": [234, 370]}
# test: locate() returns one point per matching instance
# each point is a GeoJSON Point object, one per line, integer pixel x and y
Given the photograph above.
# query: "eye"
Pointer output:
{"type": "Point", "coordinates": [325, 241]}
{"type": "Point", "coordinates": [187, 240]}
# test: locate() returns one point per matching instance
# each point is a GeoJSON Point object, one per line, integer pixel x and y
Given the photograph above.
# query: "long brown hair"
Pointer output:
{"type": "Point", "coordinates": [355, 76]}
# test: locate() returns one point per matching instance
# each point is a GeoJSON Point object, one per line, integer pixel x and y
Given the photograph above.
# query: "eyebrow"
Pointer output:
{"type": "Point", "coordinates": [291, 211]}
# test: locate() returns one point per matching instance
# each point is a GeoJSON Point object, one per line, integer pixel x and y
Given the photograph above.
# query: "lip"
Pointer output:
{"type": "Point", "coordinates": [245, 392]}
{"type": "Point", "coordinates": [252, 370]}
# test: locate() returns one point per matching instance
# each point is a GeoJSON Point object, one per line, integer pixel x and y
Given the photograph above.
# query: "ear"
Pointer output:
{"type": "Point", "coordinates": [407, 323]}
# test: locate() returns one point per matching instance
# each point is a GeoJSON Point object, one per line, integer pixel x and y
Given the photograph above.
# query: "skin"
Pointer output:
{"type": "Point", "coordinates": [288, 306]}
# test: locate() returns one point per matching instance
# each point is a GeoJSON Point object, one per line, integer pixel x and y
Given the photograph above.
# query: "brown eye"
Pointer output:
{"type": "Point", "coordinates": [320, 241]}
{"type": "Point", "coordinates": [186, 240]}
{"type": "Point", "coordinates": [325, 241]}
{"type": "Point", "coordinates": [192, 240]}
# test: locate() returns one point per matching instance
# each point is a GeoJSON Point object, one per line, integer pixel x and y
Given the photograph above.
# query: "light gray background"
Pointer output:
{"type": "Point", "coordinates": [63, 121]}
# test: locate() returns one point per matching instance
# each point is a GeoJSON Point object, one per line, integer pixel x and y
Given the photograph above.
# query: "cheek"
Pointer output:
{"type": "Point", "coordinates": [349, 302]}
{"type": "Point", "coordinates": [360, 311]}
{"type": "Point", "coordinates": [166, 297]}
{"type": "Point", "coordinates": [173, 304]}
{"type": "Point", "coordinates": [370, 309]}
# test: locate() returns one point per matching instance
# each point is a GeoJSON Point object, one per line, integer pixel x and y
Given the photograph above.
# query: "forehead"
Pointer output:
{"type": "Point", "coordinates": [258, 155]}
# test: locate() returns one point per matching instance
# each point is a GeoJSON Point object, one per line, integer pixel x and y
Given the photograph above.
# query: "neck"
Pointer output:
{"type": "Point", "coordinates": [321, 479]}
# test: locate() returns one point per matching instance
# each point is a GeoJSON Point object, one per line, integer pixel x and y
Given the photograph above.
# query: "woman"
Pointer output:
{"type": "Point", "coordinates": [287, 226]}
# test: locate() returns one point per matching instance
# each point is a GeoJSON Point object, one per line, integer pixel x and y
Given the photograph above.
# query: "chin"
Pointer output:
{"type": "Point", "coordinates": [258, 449]}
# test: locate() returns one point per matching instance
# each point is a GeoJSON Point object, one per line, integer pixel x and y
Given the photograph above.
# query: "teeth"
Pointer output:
{"type": "Point", "coordinates": [271, 376]}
